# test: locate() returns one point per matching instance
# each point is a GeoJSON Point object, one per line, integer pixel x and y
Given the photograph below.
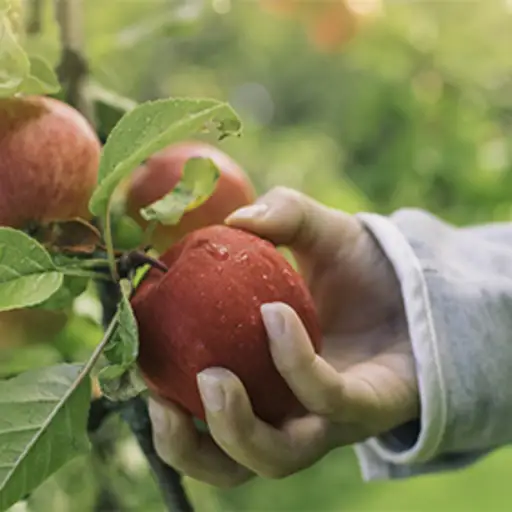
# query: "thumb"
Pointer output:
{"type": "Point", "coordinates": [288, 217]}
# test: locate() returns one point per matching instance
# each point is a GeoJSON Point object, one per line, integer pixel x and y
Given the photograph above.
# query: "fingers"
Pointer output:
{"type": "Point", "coordinates": [265, 450]}
{"type": "Point", "coordinates": [340, 397]}
{"type": "Point", "coordinates": [316, 384]}
{"type": "Point", "coordinates": [287, 217]}
{"type": "Point", "coordinates": [365, 399]}
{"type": "Point", "coordinates": [180, 445]}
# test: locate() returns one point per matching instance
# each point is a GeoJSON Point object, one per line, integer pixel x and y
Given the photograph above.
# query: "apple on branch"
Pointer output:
{"type": "Point", "coordinates": [161, 174]}
{"type": "Point", "coordinates": [204, 312]}
{"type": "Point", "coordinates": [49, 158]}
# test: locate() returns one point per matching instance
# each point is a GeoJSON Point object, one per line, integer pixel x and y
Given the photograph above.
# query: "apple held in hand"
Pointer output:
{"type": "Point", "coordinates": [49, 158]}
{"type": "Point", "coordinates": [162, 172]}
{"type": "Point", "coordinates": [205, 312]}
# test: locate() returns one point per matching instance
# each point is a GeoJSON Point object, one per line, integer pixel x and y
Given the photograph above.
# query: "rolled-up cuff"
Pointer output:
{"type": "Point", "coordinates": [379, 456]}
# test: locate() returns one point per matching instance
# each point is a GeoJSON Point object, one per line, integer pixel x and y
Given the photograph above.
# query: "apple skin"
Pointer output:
{"type": "Point", "coordinates": [161, 173]}
{"type": "Point", "coordinates": [49, 159]}
{"type": "Point", "coordinates": [205, 312]}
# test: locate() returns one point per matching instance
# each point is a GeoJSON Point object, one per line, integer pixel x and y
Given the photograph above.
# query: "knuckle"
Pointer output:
{"type": "Point", "coordinates": [328, 402]}
{"type": "Point", "coordinates": [301, 363]}
{"type": "Point", "coordinates": [231, 436]}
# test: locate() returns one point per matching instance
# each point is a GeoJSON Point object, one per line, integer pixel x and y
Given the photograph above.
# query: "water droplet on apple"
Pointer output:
{"type": "Point", "coordinates": [219, 252]}
{"type": "Point", "coordinates": [289, 278]}
{"type": "Point", "coordinates": [241, 257]}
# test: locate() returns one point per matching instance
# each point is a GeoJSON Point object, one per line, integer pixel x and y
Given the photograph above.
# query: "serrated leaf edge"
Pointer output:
{"type": "Point", "coordinates": [100, 209]}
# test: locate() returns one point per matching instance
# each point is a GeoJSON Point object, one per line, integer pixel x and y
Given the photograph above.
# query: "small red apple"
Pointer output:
{"type": "Point", "coordinates": [49, 158]}
{"type": "Point", "coordinates": [205, 312]}
{"type": "Point", "coordinates": [162, 172]}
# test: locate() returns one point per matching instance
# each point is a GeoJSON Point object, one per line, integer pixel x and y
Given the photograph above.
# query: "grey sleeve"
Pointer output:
{"type": "Point", "coordinates": [457, 289]}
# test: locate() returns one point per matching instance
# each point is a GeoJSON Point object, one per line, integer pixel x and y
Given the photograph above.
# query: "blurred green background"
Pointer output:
{"type": "Point", "coordinates": [408, 104]}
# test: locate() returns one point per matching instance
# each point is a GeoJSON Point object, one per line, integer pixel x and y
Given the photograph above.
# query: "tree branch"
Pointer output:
{"type": "Point", "coordinates": [73, 73]}
{"type": "Point", "coordinates": [73, 68]}
{"type": "Point", "coordinates": [135, 413]}
{"type": "Point", "coordinates": [35, 16]}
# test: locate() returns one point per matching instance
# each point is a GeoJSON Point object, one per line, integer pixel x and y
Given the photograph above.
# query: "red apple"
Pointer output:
{"type": "Point", "coordinates": [49, 157]}
{"type": "Point", "coordinates": [161, 173]}
{"type": "Point", "coordinates": [205, 312]}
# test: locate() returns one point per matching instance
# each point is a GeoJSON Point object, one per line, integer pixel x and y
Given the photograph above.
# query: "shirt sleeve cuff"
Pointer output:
{"type": "Point", "coordinates": [379, 457]}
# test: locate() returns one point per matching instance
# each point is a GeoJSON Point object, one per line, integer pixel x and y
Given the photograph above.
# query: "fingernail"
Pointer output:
{"type": "Point", "coordinates": [211, 390]}
{"type": "Point", "coordinates": [159, 417]}
{"type": "Point", "coordinates": [273, 319]}
{"type": "Point", "coordinates": [248, 212]}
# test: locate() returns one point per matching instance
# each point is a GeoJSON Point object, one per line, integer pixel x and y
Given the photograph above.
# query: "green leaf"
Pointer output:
{"type": "Point", "coordinates": [28, 275]}
{"type": "Point", "coordinates": [149, 128]}
{"type": "Point", "coordinates": [118, 385]}
{"type": "Point", "coordinates": [117, 380]}
{"type": "Point", "coordinates": [41, 80]}
{"type": "Point", "coordinates": [139, 274]}
{"type": "Point", "coordinates": [123, 348]}
{"type": "Point", "coordinates": [197, 184]}
{"type": "Point", "coordinates": [127, 234]}
{"type": "Point", "coordinates": [14, 62]}
{"type": "Point", "coordinates": [71, 288]}
{"type": "Point", "coordinates": [43, 419]}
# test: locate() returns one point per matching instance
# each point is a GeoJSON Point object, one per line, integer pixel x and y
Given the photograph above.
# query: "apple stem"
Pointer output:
{"type": "Point", "coordinates": [135, 259]}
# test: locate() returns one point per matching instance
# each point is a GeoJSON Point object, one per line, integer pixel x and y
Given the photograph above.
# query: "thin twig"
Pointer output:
{"type": "Point", "coordinates": [136, 415]}
{"type": "Point", "coordinates": [73, 73]}
{"type": "Point", "coordinates": [35, 16]}
{"type": "Point", "coordinates": [73, 68]}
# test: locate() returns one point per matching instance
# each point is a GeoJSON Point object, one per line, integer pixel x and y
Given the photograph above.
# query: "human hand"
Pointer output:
{"type": "Point", "coordinates": [361, 385]}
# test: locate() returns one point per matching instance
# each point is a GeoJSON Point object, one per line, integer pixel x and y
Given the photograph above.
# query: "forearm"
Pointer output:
{"type": "Point", "coordinates": [457, 290]}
